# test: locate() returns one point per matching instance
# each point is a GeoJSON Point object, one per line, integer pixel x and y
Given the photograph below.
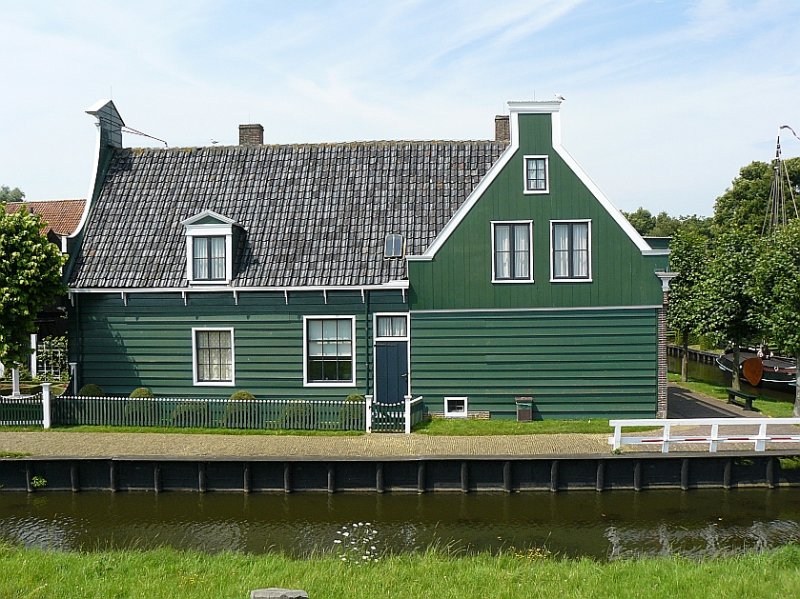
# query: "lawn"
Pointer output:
{"type": "Point", "coordinates": [167, 573]}
{"type": "Point", "coordinates": [475, 427]}
{"type": "Point", "coordinates": [768, 407]}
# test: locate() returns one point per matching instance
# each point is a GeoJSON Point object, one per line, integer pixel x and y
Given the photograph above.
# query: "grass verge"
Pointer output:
{"type": "Point", "coordinates": [166, 573]}
{"type": "Point", "coordinates": [768, 407]}
{"type": "Point", "coordinates": [474, 427]}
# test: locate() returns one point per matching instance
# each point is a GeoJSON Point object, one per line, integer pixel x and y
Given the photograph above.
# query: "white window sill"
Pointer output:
{"type": "Point", "coordinates": [571, 280]}
{"type": "Point", "coordinates": [513, 281]}
{"type": "Point", "coordinates": [214, 384]}
{"type": "Point", "coordinates": [350, 384]}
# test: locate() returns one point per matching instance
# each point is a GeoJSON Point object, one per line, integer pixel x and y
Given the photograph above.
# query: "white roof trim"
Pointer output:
{"type": "Point", "coordinates": [515, 109]}
{"type": "Point", "coordinates": [206, 213]}
{"type": "Point", "coordinates": [391, 285]}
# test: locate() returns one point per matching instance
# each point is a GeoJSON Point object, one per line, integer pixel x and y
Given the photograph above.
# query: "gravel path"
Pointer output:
{"type": "Point", "coordinates": [69, 444]}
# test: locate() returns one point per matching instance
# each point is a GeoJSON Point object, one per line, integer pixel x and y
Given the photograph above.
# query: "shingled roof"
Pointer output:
{"type": "Point", "coordinates": [312, 215]}
{"type": "Point", "coordinates": [61, 216]}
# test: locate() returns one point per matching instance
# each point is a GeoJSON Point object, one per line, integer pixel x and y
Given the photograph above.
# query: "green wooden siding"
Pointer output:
{"type": "Point", "coordinates": [149, 341]}
{"type": "Point", "coordinates": [461, 273]}
{"type": "Point", "coordinates": [575, 363]}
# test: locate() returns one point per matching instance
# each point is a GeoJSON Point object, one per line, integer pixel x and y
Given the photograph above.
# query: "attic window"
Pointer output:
{"type": "Point", "coordinates": [394, 246]}
{"type": "Point", "coordinates": [209, 248]}
{"type": "Point", "coordinates": [536, 174]}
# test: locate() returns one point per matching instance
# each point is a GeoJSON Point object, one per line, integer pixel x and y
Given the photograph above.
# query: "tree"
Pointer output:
{"type": "Point", "coordinates": [10, 195]}
{"type": "Point", "coordinates": [725, 299]}
{"type": "Point", "coordinates": [688, 255]}
{"type": "Point", "coordinates": [777, 287]}
{"type": "Point", "coordinates": [641, 219]}
{"type": "Point", "coordinates": [745, 203]}
{"type": "Point", "coordinates": [30, 280]}
{"type": "Point", "coordinates": [664, 225]}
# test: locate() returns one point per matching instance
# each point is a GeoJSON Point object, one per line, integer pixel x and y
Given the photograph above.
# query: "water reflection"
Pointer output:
{"type": "Point", "coordinates": [600, 525]}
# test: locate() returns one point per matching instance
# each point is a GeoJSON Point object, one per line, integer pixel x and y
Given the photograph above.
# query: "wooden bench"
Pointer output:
{"type": "Point", "coordinates": [743, 400]}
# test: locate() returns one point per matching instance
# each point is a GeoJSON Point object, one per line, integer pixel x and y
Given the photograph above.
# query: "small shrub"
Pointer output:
{"type": "Point", "coordinates": [239, 413]}
{"type": "Point", "coordinates": [191, 415]}
{"type": "Point", "coordinates": [299, 416]}
{"type": "Point", "coordinates": [91, 390]}
{"type": "Point", "coordinates": [351, 416]}
{"type": "Point", "coordinates": [141, 392]}
{"type": "Point", "coordinates": [38, 482]}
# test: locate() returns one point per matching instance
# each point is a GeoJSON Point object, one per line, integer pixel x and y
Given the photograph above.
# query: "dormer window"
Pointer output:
{"type": "Point", "coordinates": [394, 246]}
{"type": "Point", "coordinates": [536, 174]}
{"type": "Point", "coordinates": [209, 248]}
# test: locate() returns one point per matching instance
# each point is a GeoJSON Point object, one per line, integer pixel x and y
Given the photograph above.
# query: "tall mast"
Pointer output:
{"type": "Point", "coordinates": [777, 216]}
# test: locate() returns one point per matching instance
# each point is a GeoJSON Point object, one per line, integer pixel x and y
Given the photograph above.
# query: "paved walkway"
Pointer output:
{"type": "Point", "coordinates": [682, 404]}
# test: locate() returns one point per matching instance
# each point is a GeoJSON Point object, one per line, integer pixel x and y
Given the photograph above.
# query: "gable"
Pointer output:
{"type": "Point", "coordinates": [458, 271]}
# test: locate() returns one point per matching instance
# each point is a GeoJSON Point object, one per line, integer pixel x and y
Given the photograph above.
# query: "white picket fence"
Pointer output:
{"type": "Point", "coordinates": [719, 432]}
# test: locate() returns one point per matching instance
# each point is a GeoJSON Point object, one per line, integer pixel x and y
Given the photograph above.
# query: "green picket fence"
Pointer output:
{"type": "Point", "coordinates": [21, 411]}
{"type": "Point", "coordinates": [292, 414]}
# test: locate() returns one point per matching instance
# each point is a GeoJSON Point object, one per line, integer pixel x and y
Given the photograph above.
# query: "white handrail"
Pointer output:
{"type": "Point", "coordinates": [667, 437]}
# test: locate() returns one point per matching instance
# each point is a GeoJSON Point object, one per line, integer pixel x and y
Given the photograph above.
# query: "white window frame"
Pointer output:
{"type": "Point", "coordinates": [563, 221]}
{"type": "Point", "coordinates": [223, 228]}
{"type": "Point", "coordinates": [199, 383]}
{"type": "Point", "coordinates": [353, 350]}
{"type": "Point", "coordinates": [525, 189]}
{"type": "Point", "coordinates": [529, 280]}
{"type": "Point", "coordinates": [456, 414]}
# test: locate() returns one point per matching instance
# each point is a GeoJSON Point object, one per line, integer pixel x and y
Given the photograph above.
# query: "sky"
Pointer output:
{"type": "Point", "coordinates": [665, 100]}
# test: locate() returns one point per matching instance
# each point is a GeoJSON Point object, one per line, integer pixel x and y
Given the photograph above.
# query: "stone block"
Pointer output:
{"type": "Point", "coordinates": [278, 594]}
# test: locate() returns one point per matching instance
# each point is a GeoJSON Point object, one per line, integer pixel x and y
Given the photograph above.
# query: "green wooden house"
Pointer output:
{"type": "Point", "coordinates": [468, 272]}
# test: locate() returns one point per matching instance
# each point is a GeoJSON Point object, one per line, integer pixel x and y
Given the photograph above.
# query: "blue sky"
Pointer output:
{"type": "Point", "coordinates": [665, 101]}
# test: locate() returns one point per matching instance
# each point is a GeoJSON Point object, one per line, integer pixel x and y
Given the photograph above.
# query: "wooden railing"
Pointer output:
{"type": "Point", "coordinates": [759, 435]}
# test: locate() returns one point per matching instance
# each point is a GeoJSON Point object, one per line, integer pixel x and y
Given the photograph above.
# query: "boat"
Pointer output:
{"type": "Point", "coordinates": [777, 371]}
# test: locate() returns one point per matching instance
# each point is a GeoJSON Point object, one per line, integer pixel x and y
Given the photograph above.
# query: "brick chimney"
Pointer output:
{"type": "Point", "coordinates": [501, 128]}
{"type": "Point", "coordinates": [251, 135]}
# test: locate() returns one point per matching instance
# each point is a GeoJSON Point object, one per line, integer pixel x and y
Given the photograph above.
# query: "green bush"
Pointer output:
{"type": "Point", "coordinates": [351, 416]}
{"type": "Point", "coordinates": [91, 390]}
{"type": "Point", "coordinates": [141, 392]}
{"type": "Point", "coordinates": [191, 415]}
{"type": "Point", "coordinates": [239, 413]}
{"type": "Point", "coordinates": [299, 416]}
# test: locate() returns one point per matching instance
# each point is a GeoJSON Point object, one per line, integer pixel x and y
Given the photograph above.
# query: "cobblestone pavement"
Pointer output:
{"type": "Point", "coordinates": [152, 445]}
{"type": "Point", "coordinates": [54, 443]}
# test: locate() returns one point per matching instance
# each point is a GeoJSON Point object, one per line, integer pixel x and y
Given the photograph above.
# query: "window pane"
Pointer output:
{"type": "Point", "coordinates": [399, 326]}
{"type": "Point", "coordinates": [580, 236]}
{"type": "Point", "coordinates": [502, 255]}
{"type": "Point", "coordinates": [218, 247]}
{"type": "Point", "coordinates": [329, 330]}
{"type": "Point", "coordinates": [560, 237]}
{"type": "Point", "coordinates": [315, 330]}
{"type": "Point", "coordinates": [345, 329]}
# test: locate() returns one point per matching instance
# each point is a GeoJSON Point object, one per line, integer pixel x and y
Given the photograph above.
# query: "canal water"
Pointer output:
{"type": "Point", "coordinates": [618, 524]}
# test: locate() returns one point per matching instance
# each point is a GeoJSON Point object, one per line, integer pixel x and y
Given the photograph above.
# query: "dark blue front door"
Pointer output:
{"type": "Point", "coordinates": [391, 371]}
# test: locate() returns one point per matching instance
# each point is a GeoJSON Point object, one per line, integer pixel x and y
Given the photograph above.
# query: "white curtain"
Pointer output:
{"type": "Point", "coordinates": [502, 252]}
{"type": "Point", "coordinates": [560, 251]}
